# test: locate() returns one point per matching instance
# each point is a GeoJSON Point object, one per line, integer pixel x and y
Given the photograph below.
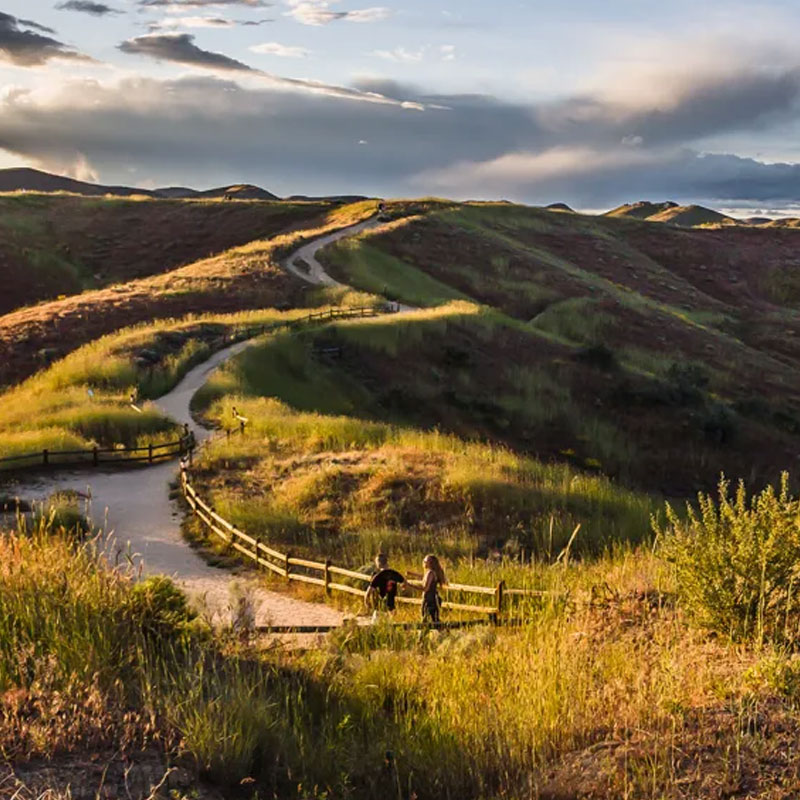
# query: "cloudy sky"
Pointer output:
{"type": "Point", "coordinates": [587, 102]}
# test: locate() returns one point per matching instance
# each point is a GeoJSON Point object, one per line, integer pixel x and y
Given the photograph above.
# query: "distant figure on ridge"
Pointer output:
{"type": "Point", "coordinates": [434, 578]}
{"type": "Point", "coordinates": [385, 583]}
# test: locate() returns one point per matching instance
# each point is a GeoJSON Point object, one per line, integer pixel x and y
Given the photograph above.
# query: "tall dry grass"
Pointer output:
{"type": "Point", "coordinates": [90, 658]}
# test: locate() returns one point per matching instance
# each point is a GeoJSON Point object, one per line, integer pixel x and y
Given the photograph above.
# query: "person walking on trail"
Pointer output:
{"type": "Point", "coordinates": [382, 589]}
{"type": "Point", "coordinates": [433, 578]}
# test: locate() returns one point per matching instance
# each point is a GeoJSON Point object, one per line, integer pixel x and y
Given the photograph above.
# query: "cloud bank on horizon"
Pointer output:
{"type": "Point", "coordinates": [429, 98]}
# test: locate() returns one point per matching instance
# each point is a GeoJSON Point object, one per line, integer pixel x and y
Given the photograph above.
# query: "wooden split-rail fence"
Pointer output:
{"type": "Point", "coordinates": [101, 456]}
{"type": "Point", "coordinates": [331, 577]}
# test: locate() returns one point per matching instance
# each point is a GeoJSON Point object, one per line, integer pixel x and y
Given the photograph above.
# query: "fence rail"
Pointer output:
{"type": "Point", "coordinates": [323, 573]}
{"type": "Point", "coordinates": [95, 456]}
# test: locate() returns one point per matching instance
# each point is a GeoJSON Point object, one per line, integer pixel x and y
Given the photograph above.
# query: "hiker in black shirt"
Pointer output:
{"type": "Point", "coordinates": [385, 583]}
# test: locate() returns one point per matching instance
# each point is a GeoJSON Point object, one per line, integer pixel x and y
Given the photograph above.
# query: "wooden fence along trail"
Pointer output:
{"type": "Point", "coordinates": [95, 456]}
{"type": "Point", "coordinates": [325, 574]}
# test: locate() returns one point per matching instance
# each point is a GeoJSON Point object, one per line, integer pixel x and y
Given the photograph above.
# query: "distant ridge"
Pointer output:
{"type": "Point", "coordinates": [671, 213]}
{"type": "Point", "coordinates": [33, 180]}
{"type": "Point", "coordinates": [641, 210]}
{"type": "Point", "coordinates": [560, 207]}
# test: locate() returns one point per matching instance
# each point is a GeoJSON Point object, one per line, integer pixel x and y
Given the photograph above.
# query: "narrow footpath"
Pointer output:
{"type": "Point", "coordinates": [144, 525]}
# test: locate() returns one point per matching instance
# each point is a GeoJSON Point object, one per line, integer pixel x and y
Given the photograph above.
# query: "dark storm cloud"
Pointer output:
{"type": "Point", "coordinates": [703, 106]}
{"type": "Point", "coordinates": [26, 48]}
{"type": "Point", "coordinates": [88, 7]}
{"type": "Point", "coordinates": [180, 48]}
{"type": "Point", "coordinates": [587, 151]}
{"type": "Point", "coordinates": [29, 23]}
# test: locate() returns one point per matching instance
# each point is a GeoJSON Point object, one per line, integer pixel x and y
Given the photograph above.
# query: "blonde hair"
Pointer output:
{"type": "Point", "coordinates": [436, 568]}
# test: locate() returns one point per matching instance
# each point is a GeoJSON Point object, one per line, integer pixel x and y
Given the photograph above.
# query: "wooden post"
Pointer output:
{"type": "Point", "coordinates": [45, 457]}
{"type": "Point", "coordinates": [286, 565]}
{"type": "Point", "coordinates": [150, 452]}
{"type": "Point", "coordinates": [258, 547]}
{"type": "Point", "coordinates": [95, 455]}
{"type": "Point", "coordinates": [327, 576]}
{"type": "Point", "coordinates": [499, 593]}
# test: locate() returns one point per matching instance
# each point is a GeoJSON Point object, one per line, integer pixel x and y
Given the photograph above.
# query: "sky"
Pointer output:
{"type": "Point", "coordinates": [579, 101]}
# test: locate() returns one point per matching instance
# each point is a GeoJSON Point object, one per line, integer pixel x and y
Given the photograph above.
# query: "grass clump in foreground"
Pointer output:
{"type": "Point", "coordinates": [615, 698]}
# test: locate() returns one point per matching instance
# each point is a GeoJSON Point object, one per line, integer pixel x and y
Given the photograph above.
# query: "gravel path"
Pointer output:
{"type": "Point", "coordinates": [315, 272]}
{"type": "Point", "coordinates": [144, 524]}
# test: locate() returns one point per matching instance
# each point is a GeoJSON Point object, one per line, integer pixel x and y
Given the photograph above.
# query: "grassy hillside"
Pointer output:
{"type": "Point", "coordinates": [245, 277]}
{"type": "Point", "coordinates": [662, 355]}
{"type": "Point", "coordinates": [53, 245]}
{"type": "Point", "coordinates": [84, 399]}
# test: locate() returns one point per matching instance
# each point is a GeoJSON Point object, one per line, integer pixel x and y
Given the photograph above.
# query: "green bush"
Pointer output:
{"type": "Point", "coordinates": [159, 604]}
{"type": "Point", "coordinates": [737, 560]}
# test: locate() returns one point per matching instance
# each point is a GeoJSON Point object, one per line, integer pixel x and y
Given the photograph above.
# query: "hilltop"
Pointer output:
{"type": "Point", "coordinates": [691, 216]}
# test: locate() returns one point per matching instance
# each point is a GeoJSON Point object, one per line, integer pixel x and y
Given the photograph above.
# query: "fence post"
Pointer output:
{"type": "Point", "coordinates": [327, 576]}
{"type": "Point", "coordinates": [286, 565]}
{"type": "Point", "coordinates": [45, 457]}
{"type": "Point", "coordinates": [150, 452]}
{"type": "Point", "coordinates": [499, 593]}
{"type": "Point", "coordinates": [258, 548]}
{"type": "Point", "coordinates": [95, 455]}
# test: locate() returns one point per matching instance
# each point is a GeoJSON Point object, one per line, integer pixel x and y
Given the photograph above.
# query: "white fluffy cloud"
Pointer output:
{"type": "Point", "coordinates": [282, 50]}
{"type": "Point", "coordinates": [403, 55]}
{"type": "Point", "coordinates": [193, 22]}
{"type": "Point", "coordinates": [320, 12]}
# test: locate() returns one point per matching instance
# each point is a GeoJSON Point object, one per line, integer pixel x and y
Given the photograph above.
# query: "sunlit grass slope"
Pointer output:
{"type": "Point", "coordinates": [613, 696]}
{"type": "Point", "coordinates": [317, 469]}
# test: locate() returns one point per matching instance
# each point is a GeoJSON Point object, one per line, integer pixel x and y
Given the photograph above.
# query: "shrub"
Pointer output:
{"type": "Point", "coordinates": [159, 605]}
{"type": "Point", "coordinates": [687, 383]}
{"type": "Point", "coordinates": [598, 355]}
{"type": "Point", "coordinates": [737, 560]}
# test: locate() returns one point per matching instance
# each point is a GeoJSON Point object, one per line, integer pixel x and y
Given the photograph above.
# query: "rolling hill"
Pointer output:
{"type": "Point", "coordinates": [53, 245]}
{"type": "Point", "coordinates": [25, 179]}
{"type": "Point", "coordinates": [691, 216]}
{"type": "Point", "coordinates": [658, 354]}
{"type": "Point", "coordinates": [248, 276]}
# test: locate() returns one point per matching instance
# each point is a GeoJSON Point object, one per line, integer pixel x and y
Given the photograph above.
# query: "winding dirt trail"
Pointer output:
{"type": "Point", "coordinates": [143, 524]}
{"type": "Point", "coordinates": [315, 273]}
